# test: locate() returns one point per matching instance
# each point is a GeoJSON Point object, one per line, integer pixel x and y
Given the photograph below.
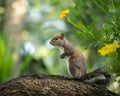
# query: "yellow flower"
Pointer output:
{"type": "Point", "coordinates": [63, 13]}
{"type": "Point", "coordinates": [109, 48]}
{"type": "Point", "coordinates": [115, 45]}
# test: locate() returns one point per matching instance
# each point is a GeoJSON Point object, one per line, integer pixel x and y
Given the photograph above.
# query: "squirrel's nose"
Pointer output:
{"type": "Point", "coordinates": [51, 42]}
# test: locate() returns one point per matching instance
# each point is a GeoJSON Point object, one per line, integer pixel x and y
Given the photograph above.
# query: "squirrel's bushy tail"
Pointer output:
{"type": "Point", "coordinates": [102, 71]}
{"type": "Point", "coordinates": [104, 82]}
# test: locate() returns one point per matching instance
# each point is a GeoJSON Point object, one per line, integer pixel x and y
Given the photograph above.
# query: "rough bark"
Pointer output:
{"type": "Point", "coordinates": [45, 85]}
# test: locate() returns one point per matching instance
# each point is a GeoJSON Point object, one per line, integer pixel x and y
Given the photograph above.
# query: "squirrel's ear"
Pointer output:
{"type": "Point", "coordinates": [62, 36]}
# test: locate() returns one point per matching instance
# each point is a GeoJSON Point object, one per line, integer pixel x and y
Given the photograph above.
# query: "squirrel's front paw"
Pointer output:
{"type": "Point", "coordinates": [62, 56]}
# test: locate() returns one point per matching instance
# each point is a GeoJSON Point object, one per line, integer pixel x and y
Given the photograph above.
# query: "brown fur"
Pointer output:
{"type": "Point", "coordinates": [74, 58]}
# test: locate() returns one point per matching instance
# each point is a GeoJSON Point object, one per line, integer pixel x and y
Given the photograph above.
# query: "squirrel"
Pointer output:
{"type": "Point", "coordinates": [76, 62]}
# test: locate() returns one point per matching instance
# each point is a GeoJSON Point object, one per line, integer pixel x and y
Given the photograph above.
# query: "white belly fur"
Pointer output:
{"type": "Point", "coordinates": [66, 59]}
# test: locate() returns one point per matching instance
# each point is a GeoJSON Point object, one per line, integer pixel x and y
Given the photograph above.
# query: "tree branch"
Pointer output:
{"type": "Point", "coordinates": [49, 85]}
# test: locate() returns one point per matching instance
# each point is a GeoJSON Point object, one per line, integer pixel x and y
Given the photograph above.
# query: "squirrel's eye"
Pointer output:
{"type": "Point", "coordinates": [56, 38]}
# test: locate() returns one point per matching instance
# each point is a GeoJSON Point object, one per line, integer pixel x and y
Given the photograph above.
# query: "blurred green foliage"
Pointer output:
{"type": "Point", "coordinates": [6, 62]}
